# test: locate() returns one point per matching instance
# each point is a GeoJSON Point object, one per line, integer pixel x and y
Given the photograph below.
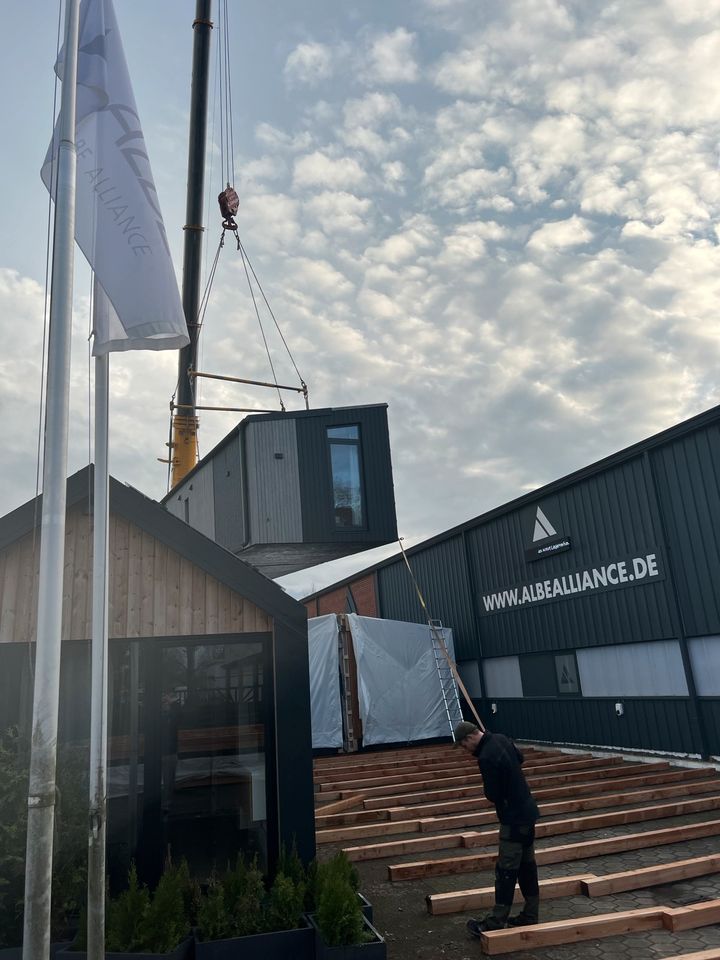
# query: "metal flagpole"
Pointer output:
{"type": "Point", "coordinates": [98, 702]}
{"type": "Point", "coordinates": [41, 790]}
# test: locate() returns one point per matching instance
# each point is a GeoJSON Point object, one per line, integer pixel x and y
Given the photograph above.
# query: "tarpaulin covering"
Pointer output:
{"type": "Point", "coordinates": [326, 714]}
{"type": "Point", "coordinates": [398, 683]}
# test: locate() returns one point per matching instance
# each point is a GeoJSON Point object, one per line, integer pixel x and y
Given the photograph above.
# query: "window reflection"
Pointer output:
{"type": "Point", "coordinates": [187, 743]}
{"type": "Point", "coordinates": [346, 480]}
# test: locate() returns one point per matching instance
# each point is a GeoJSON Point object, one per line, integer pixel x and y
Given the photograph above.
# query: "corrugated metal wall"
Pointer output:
{"type": "Point", "coordinates": [663, 499]}
{"type": "Point", "coordinates": [275, 512]}
{"type": "Point", "coordinates": [441, 573]}
{"type": "Point", "coordinates": [316, 478]}
{"type": "Point", "coordinates": [687, 474]}
{"type": "Point", "coordinates": [228, 494]}
{"type": "Point", "coordinates": [608, 516]}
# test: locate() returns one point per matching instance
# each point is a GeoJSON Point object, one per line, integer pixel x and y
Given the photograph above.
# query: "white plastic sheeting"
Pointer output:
{"type": "Point", "coordinates": [398, 683]}
{"type": "Point", "coordinates": [325, 710]}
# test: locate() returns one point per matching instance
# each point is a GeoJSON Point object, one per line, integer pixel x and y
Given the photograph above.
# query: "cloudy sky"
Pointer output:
{"type": "Point", "coordinates": [498, 217]}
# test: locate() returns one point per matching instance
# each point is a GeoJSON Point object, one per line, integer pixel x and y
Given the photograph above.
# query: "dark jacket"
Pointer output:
{"type": "Point", "coordinates": [504, 782]}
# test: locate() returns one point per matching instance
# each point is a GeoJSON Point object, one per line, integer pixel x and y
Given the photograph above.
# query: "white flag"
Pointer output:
{"type": "Point", "coordinates": [118, 223]}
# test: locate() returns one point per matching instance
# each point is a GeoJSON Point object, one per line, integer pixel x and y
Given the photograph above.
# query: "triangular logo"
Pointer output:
{"type": "Point", "coordinates": [543, 527]}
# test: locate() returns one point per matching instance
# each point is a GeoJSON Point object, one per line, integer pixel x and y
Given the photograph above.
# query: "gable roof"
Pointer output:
{"type": "Point", "coordinates": [154, 519]}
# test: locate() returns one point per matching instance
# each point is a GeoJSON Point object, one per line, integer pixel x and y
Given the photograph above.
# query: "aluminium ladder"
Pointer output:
{"type": "Point", "coordinates": [448, 686]}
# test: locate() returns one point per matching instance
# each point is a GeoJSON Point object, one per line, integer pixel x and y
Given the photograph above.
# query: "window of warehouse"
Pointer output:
{"type": "Point", "coordinates": [502, 677]}
{"type": "Point", "coordinates": [633, 670]}
{"type": "Point", "coordinates": [705, 660]}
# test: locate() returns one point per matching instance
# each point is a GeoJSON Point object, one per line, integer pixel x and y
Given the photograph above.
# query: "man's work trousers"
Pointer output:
{"type": "Point", "coordinates": [516, 864]}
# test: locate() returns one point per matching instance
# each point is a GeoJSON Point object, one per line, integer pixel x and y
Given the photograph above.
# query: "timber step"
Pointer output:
{"type": "Point", "coordinates": [602, 925]}
{"type": "Point", "coordinates": [588, 885]}
{"type": "Point", "coordinates": [447, 866]}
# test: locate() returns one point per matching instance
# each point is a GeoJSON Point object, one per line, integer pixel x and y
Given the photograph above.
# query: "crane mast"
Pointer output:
{"type": "Point", "coordinates": [183, 444]}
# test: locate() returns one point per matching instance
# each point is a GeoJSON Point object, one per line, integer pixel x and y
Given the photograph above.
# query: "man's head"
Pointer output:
{"type": "Point", "coordinates": [467, 735]}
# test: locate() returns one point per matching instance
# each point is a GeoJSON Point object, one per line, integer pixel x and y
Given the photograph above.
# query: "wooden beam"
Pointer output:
{"type": "Point", "coordinates": [712, 953]}
{"type": "Point", "coordinates": [458, 900]}
{"type": "Point", "coordinates": [660, 873]}
{"type": "Point", "coordinates": [600, 926]}
{"type": "Point", "coordinates": [399, 848]}
{"type": "Point", "coordinates": [691, 916]}
{"type": "Point", "coordinates": [485, 838]}
{"type": "Point", "coordinates": [347, 804]}
{"type": "Point", "coordinates": [446, 812]}
{"type": "Point", "coordinates": [547, 793]}
{"type": "Point", "coordinates": [573, 851]}
{"type": "Point", "coordinates": [572, 931]}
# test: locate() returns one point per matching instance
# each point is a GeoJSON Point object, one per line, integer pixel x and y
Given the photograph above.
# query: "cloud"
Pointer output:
{"type": "Point", "coordinates": [319, 170]}
{"type": "Point", "coordinates": [309, 63]}
{"type": "Point", "coordinates": [391, 58]}
{"type": "Point", "coordinates": [561, 234]}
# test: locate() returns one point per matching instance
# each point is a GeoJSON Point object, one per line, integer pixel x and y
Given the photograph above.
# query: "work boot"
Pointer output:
{"type": "Point", "coordinates": [528, 915]}
{"type": "Point", "coordinates": [477, 927]}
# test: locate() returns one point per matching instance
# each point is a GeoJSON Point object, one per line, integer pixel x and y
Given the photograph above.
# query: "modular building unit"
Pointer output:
{"type": "Point", "coordinates": [291, 490]}
{"type": "Point", "coordinates": [588, 611]}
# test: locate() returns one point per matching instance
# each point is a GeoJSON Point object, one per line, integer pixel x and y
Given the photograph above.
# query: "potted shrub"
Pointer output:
{"type": "Point", "coordinates": [342, 930]}
{"type": "Point", "coordinates": [237, 918]}
{"type": "Point", "coordinates": [145, 926]}
{"type": "Point", "coordinates": [70, 846]}
{"type": "Point", "coordinates": [315, 874]}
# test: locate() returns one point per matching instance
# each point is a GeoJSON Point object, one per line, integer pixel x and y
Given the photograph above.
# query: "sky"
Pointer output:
{"type": "Point", "coordinates": [499, 218]}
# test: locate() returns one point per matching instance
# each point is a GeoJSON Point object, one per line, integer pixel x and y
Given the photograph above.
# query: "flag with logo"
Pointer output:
{"type": "Point", "coordinates": [118, 223]}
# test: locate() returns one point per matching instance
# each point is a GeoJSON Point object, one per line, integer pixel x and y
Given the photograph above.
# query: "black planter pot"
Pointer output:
{"type": "Point", "coordinates": [367, 907]}
{"type": "Point", "coordinates": [296, 944]}
{"type": "Point", "coordinates": [373, 950]}
{"type": "Point", "coordinates": [183, 952]}
{"type": "Point", "coordinates": [15, 953]}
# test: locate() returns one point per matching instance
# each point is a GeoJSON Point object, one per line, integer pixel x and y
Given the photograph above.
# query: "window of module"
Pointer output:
{"type": "Point", "coordinates": [346, 481]}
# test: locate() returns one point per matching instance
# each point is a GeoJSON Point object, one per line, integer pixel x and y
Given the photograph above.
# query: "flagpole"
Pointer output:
{"type": "Point", "coordinates": [43, 757]}
{"type": "Point", "coordinates": [98, 701]}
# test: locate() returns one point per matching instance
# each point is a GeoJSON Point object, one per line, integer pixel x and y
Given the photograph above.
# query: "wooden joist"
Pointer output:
{"type": "Point", "coordinates": [542, 771]}
{"type": "Point", "coordinates": [660, 873]}
{"type": "Point", "coordinates": [340, 805]}
{"type": "Point", "coordinates": [600, 926]}
{"type": "Point", "coordinates": [573, 851]}
{"type": "Point", "coordinates": [458, 900]}
{"type": "Point", "coordinates": [664, 775]}
{"type": "Point", "coordinates": [587, 885]}
{"type": "Point", "coordinates": [572, 931]}
{"type": "Point", "coordinates": [551, 828]}
{"type": "Point", "coordinates": [579, 776]}
{"type": "Point", "coordinates": [712, 953]}
{"type": "Point", "coordinates": [444, 813]}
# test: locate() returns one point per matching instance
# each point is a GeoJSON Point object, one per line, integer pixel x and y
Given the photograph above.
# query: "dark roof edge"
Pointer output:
{"type": "Point", "coordinates": [700, 420]}
{"type": "Point", "coordinates": [257, 417]}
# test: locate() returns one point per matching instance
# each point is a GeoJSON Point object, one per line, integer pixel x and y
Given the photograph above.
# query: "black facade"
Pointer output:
{"type": "Point", "coordinates": [291, 490]}
{"type": "Point", "coordinates": [589, 610]}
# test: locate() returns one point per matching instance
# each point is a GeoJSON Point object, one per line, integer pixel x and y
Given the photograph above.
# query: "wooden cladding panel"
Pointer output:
{"type": "Point", "coordinates": [154, 591]}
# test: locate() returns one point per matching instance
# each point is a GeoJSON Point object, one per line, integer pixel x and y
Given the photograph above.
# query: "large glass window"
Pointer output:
{"type": "Point", "coordinates": [346, 475]}
{"type": "Point", "coordinates": [187, 753]}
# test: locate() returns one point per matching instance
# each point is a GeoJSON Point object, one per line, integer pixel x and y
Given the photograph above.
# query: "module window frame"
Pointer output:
{"type": "Point", "coordinates": [355, 442]}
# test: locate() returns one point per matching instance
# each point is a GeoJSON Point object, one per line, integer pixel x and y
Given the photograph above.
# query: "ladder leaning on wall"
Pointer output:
{"type": "Point", "coordinates": [446, 677]}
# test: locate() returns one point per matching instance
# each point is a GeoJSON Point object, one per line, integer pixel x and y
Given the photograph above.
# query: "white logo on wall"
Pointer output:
{"type": "Point", "coordinates": [543, 527]}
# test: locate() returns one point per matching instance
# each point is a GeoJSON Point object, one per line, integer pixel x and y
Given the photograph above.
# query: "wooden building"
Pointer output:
{"type": "Point", "coordinates": [209, 713]}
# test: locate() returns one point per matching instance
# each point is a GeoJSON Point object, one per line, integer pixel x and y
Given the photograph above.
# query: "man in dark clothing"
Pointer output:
{"type": "Point", "coordinates": [505, 786]}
